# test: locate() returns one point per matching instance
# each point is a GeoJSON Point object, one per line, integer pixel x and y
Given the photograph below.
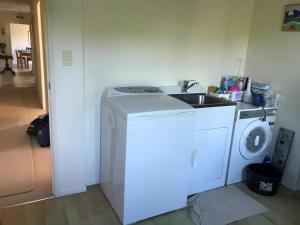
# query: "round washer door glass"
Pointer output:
{"type": "Point", "coordinates": [255, 139]}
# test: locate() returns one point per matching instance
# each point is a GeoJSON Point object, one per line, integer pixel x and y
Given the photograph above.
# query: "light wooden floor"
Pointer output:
{"type": "Point", "coordinates": [23, 78]}
{"type": "Point", "coordinates": [92, 208]}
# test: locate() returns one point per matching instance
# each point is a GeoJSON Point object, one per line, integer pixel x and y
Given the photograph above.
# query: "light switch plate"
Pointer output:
{"type": "Point", "coordinates": [67, 58]}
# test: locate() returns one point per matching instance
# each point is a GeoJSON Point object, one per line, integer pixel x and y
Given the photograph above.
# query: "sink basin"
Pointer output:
{"type": "Point", "coordinates": [202, 100]}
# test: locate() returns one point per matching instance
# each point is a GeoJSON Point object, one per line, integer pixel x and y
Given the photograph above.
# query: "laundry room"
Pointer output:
{"type": "Point", "coordinates": [171, 112]}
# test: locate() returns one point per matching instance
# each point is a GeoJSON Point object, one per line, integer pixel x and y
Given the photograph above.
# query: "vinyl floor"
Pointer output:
{"type": "Point", "coordinates": [92, 208]}
{"type": "Point", "coordinates": [23, 78]}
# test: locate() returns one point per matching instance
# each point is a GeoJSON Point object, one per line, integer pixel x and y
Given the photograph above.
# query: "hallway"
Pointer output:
{"type": "Point", "coordinates": [25, 167]}
{"type": "Point", "coordinates": [23, 78]}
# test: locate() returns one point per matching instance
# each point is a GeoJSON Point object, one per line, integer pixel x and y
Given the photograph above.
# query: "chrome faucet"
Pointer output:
{"type": "Point", "coordinates": [187, 84]}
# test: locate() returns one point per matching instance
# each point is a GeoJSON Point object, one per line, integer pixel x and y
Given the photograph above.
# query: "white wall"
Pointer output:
{"type": "Point", "coordinates": [20, 38]}
{"type": "Point", "coordinates": [156, 43]}
{"type": "Point", "coordinates": [15, 5]}
{"type": "Point", "coordinates": [129, 42]}
{"type": "Point", "coordinates": [237, 36]}
{"type": "Point", "coordinates": [64, 23]}
{"type": "Point", "coordinates": [274, 56]}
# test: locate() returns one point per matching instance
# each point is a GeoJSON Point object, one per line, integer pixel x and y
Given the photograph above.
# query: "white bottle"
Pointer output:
{"type": "Point", "coordinates": [277, 98]}
{"type": "Point", "coordinates": [247, 98]}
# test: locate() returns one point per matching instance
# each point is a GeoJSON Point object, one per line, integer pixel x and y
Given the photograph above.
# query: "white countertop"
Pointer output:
{"type": "Point", "coordinates": [246, 106]}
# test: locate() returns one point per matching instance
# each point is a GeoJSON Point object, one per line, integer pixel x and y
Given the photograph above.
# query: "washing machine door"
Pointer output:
{"type": "Point", "coordinates": [255, 139]}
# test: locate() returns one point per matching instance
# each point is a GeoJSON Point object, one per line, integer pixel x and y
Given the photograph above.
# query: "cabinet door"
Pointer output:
{"type": "Point", "coordinates": [208, 162]}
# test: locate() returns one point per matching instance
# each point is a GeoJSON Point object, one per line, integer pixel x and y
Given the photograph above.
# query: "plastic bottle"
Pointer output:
{"type": "Point", "coordinates": [277, 98]}
{"type": "Point", "coordinates": [247, 98]}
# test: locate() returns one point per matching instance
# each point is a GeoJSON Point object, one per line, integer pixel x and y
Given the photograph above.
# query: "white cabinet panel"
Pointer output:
{"type": "Point", "coordinates": [209, 160]}
{"type": "Point", "coordinates": [214, 117]}
{"type": "Point", "coordinates": [113, 145]}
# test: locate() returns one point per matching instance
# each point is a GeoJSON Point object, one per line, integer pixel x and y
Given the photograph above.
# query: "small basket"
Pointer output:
{"type": "Point", "coordinates": [226, 96]}
{"type": "Point", "coordinates": [263, 179]}
{"type": "Point", "coordinates": [236, 95]}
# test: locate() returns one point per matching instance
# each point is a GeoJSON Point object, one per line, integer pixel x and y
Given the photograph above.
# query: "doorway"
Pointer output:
{"type": "Point", "coordinates": [39, 37]}
{"type": "Point", "coordinates": [23, 98]}
{"type": "Point", "coordinates": [20, 41]}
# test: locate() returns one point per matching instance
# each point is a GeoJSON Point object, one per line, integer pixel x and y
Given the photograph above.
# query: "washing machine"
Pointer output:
{"type": "Point", "coordinates": [252, 138]}
{"type": "Point", "coordinates": [146, 144]}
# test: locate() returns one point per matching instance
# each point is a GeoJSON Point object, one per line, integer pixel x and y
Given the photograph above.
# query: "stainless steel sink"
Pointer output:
{"type": "Point", "coordinates": [202, 100]}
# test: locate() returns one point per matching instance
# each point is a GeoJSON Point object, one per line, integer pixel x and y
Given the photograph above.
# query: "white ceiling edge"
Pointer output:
{"type": "Point", "coordinates": [15, 5]}
{"type": "Point", "coordinates": [20, 10]}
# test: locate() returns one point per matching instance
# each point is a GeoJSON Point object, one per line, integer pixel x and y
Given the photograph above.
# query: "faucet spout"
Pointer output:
{"type": "Point", "coordinates": [187, 84]}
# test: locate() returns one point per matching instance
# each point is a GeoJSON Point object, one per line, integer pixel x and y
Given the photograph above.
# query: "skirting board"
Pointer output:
{"type": "Point", "coordinates": [76, 190]}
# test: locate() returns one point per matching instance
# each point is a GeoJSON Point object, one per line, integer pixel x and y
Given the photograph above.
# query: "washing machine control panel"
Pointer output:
{"type": "Point", "coordinates": [257, 113]}
{"type": "Point", "coordinates": [138, 90]}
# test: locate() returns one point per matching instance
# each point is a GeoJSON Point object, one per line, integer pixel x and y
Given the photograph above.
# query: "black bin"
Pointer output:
{"type": "Point", "coordinates": [263, 178]}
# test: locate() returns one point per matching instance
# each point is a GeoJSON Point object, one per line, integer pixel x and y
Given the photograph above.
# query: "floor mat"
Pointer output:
{"type": "Point", "coordinates": [223, 206]}
{"type": "Point", "coordinates": [16, 162]}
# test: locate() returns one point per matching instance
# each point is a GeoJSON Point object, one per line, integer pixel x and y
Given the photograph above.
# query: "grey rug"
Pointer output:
{"type": "Point", "coordinates": [222, 206]}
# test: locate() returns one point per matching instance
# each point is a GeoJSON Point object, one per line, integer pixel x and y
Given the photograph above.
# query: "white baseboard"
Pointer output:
{"type": "Point", "coordinates": [71, 191]}
{"type": "Point", "coordinates": [93, 181]}
{"type": "Point", "coordinates": [289, 184]}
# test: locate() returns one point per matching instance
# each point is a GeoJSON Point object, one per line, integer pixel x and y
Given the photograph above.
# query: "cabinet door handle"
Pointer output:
{"type": "Point", "coordinates": [195, 159]}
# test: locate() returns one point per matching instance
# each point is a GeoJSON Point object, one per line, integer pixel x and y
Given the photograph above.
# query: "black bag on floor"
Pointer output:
{"type": "Point", "coordinates": [43, 136]}
{"type": "Point", "coordinates": [37, 124]}
{"type": "Point", "coordinates": [40, 128]}
{"type": "Point", "coordinates": [34, 127]}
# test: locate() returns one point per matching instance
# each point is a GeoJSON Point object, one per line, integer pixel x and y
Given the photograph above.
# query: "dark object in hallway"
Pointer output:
{"type": "Point", "coordinates": [36, 124]}
{"type": "Point", "coordinates": [7, 68]}
{"type": "Point", "coordinates": [263, 179]}
{"type": "Point", "coordinates": [43, 136]}
{"type": "Point", "coordinates": [40, 128]}
{"type": "Point", "coordinates": [34, 127]}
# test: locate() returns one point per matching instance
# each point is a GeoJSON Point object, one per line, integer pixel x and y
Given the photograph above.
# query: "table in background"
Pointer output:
{"type": "Point", "coordinates": [27, 56]}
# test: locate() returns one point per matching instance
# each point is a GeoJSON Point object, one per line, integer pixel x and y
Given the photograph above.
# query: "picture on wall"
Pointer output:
{"type": "Point", "coordinates": [291, 20]}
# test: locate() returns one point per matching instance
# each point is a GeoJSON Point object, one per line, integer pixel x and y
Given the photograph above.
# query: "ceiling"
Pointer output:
{"type": "Point", "coordinates": [15, 5]}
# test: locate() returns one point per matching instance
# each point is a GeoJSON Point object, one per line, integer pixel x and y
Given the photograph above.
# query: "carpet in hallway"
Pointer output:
{"type": "Point", "coordinates": [16, 162]}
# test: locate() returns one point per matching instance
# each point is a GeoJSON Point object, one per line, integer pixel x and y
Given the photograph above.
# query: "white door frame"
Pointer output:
{"type": "Point", "coordinates": [49, 96]}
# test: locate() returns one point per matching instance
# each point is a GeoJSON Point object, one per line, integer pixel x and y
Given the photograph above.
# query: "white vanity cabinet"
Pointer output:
{"type": "Point", "coordinates": [212, 139]}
